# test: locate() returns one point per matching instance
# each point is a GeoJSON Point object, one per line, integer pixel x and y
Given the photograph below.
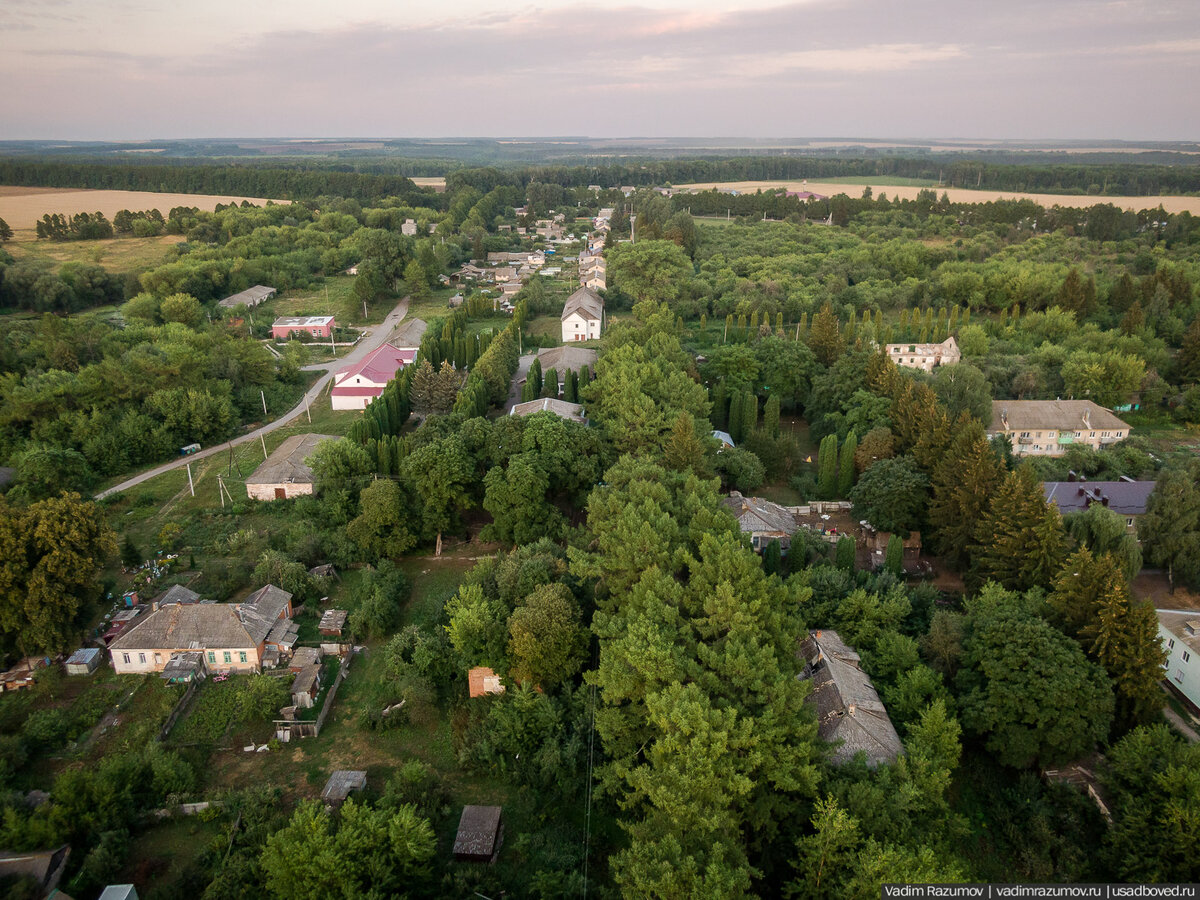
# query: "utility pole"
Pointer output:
{"type": "Point", "coordinates": [221, 490]}
{"type": "Point", "coordinates": [264, 444]}
{"type": "Point", "coordinates": [191, 484]}
{"type": "Point", "coordinates": [306, 412]}
{"type": "Point", "coordinates": [264, 400]}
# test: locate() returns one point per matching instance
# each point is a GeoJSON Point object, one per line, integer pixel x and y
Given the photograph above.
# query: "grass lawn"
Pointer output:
{"type": "Point", "coordinates": [333, 297]}
{"type": "Point", "coordinates": [118, 255]}
{"type": "Point", "coordinates": [434, 581]}
{"type": "Point", "coordinates": [160, 854]}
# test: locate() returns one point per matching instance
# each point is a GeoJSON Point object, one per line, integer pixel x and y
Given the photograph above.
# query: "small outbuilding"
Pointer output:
{"type": "Point", "coordinates": [482, 680]}
{"type": "Point", "coordinates": [119, 892]}
{"type": "Point", "coordinates": [306, 686]}
{"type": "Point", "coordinates": [340, 784]}
{"type": "Point", "coordinates": [285, 473]}
{"type": "Point", "coordinates": [184, 667]}
{"type": "Point", "coordinates": [84, 661]}
{"type": "Point", "coordinates": [305, 657]}
{"type": "Point", "coordinates": [333, 621]}
{"type": "Point", "coordinates": [250, 297]}
{"type": "Point", "coordinates": [480, 834]}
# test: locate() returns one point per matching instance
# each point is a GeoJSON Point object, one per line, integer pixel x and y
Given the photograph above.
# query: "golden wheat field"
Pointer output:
{"type": "Point", "coordinates": [22, 207]}
{"type": "Point", "coordinates": [957, 195]}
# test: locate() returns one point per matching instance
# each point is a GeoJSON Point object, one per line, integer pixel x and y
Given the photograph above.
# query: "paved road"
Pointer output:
{"type": "Point", "coordinates": [514, 392]}
{"type": "Point", "coordinates": [372, 340]}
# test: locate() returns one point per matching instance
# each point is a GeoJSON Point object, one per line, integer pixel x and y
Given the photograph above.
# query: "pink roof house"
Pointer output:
{"type": "Point", "coordinates": [357, 385]}
{"type": "Point", "coordinates": [317, 326]}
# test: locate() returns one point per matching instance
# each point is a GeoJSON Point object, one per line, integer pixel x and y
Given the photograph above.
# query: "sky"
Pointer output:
{"type": "Point", "coordinates": [985, 69]}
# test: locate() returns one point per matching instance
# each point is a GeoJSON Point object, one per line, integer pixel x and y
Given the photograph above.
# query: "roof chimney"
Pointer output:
{"type": "Point", "coordinates": [1004, 417]}
{"type": "Point", "coordinates": [1087, 418]}
{"type": "Point", "coordinates": [1071, 476]}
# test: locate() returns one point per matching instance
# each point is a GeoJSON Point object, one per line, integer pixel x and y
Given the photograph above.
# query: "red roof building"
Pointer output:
{"type": "Point", "coordinates": [357, 385]}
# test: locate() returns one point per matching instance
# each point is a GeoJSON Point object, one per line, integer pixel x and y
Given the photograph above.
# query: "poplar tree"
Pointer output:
{"type": "Point", "coordinates": [846, 464]}
{"type": "Point", "coordinates": [827, 461]}
{"type": "Point", "coordinates": [771, 416]}
{"type": "Point", "coordinates": [534, 379]}
{"type": "Point", "coordinates": [550, 384]}
{"type": "Point", "coordinates": [735, 416]}
{"type": "Point", "coordinates": [749, 412]}
{"type": "Point", "coordinates": [893, 560]}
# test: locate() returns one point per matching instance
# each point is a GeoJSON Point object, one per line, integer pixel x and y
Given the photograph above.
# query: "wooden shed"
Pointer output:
{"type": "Point", "coordinates": [480, 834]}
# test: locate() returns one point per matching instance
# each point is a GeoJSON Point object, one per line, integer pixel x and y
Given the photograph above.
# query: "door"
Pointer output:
{"type": "Point", "coordinates": [280, 493]}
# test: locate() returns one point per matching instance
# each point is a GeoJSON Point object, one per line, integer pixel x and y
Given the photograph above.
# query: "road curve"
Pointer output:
{"type": "Point", "coordinates": [377, 338]}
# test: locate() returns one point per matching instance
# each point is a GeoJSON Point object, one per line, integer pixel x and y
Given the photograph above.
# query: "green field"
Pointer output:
{"type": "Point", "coordinates": [120, 255]}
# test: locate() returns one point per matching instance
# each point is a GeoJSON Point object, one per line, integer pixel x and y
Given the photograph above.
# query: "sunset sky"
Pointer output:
{"type": "Point", "coordinates": [131, 69]}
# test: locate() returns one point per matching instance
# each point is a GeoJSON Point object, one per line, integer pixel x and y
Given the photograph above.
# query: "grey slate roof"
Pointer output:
{"type": "Point", "coordinates": [586, 302]}
{"type": "Point", "coordinates": [1185, 625]}
{"type": "Point", "coordinates": [341, 783]}
{"type": "Point", "coordinates": [307, 680]}
{"type": "Point", "coordinates": [176, 593]}
{"type": "Point", "coordinates": [849, 711]}
{"type": "Point", "coordinates": [181, 665]}
{"type": "Point", "coordinates": [1126, 498]}
{"type": "Point", "coordinates": [1063, 415]}
{"type": "Point", "coordinates": [561, 408]}
{"type": "Point", "coordinates": [758, 516]}
{"type": "Point", "coordinates": [563, 358]}
{"type": "Point", "coordinates": [251, 296]}
{"type": "Point", "coordinates": [287, 464]}
{"type": "Point", "coordinates": [207, 626]}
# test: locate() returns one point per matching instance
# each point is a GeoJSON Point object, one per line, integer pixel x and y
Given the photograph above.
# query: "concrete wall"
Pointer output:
{"type": "Point", "coordinates": [267, 491]}
{"type": "Point", "coordinates": [576, 328]}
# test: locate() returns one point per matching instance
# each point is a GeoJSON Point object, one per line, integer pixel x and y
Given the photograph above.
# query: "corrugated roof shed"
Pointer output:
{"type": "Point", "coordinates": [758, 516]}
{"type": "Point", "coordinates": [561, 408]}
{"type": "Point", "coordinates": [251, 297]}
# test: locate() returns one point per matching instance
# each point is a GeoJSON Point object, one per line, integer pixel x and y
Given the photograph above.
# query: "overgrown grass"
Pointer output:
{"type": "Point", "coordinates": [119, 255]}
{"type": "Point", "coordinates": [219, 707]}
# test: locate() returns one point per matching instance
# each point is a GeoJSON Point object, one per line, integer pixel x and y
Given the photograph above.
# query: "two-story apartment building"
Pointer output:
{"type": "Point", "coordinates": [925, 357]}
{"type": "Point", "coordinates": [1179, 631]}
{"type": "Point", "coordinates": [232, 636]}
{"type": "Point", "coordinates": [1051, 427]}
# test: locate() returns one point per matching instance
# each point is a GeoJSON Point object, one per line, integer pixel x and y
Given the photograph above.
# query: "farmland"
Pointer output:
{"type": "Point", "coordinates": [22, 207]}
{"type": "Point", "coordinates": [904, 189]}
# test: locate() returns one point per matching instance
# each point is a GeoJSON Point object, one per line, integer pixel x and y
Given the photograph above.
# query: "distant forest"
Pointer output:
{"type": "Point", "coordinates": [369, 178]}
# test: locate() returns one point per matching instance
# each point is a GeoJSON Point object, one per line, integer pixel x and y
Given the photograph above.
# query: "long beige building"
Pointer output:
{"type": "Point", "coordinates": [1051, 427]}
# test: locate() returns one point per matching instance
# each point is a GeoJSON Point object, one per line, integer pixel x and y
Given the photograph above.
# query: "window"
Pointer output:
{"type": "Point", "coordinates": [212, 657]}
{"type": "Point", "coordinates": [242, 656]}
{"type": "Point", "coordinates": [1091, 434]}
{"type": "Point", "coordinates": [141, 657]}
{"type": "Point", "coordinates": [228, 658]}
{"type": "Point", "coordinates": [158, 659]}
{"type": "Point", "coordinates": [1129, 521]}
{"type": "Point", "coordinates": [126, 655]}
{"type": "Point", "coordinates": [1170, 643]}
{"type": "Point", "coordinates": [1186, 656]}
{"type": "Point", "coordinates": [1024, 434]}
{"type": "Point", "coordinates": [1179, 676]}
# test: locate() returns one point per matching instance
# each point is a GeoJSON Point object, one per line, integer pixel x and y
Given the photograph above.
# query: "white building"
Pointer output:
{"type": "Point", "coordinates": [357, 385]}
{"type": "Point", "coordinates": [925, 356]}
{"type": "Point", "coordinates": [582, 316]}
{"type": "Point", "coordinates": [1179, 631]}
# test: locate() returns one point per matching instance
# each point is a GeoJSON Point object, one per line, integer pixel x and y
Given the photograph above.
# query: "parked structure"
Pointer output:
{"type": "Point", "coordinates": [560, 408]}
{"type": "Point", "coordinates": [357, 385]}
{"type": "Point", "coordinates": [582, 316]}
{"type": "Point", "coordinates": [285, 473]}
{"type": "Point", "coordinates": [925, 357]}
{"type": "Point", "coordinates": [232, 636]}
{"type": "Point", "coordinates": [1126, 497]}
{"type": "Point", "coordinates": [317, 326]}
{"type": "Point", "coordinates": [480, 834]}
{"type": "Point", "coordinates": [250, 297]}
{"type": "Point", "coordinates": [1051, 427]}
{"type": "Point", "coordinates": [1179, 631]}
{"type": "Point", "coordinates": [849, 711]}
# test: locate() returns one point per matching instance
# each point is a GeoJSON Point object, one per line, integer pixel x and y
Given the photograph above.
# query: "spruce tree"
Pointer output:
{"type": "Point", "coordinates": [824, 337]}
{"type": "Point", "coordinates": [1020, 542]}
{"type": "Point", "coordinates": [846, 464]}
{"type": "Point", "coordinates": [963, 482]}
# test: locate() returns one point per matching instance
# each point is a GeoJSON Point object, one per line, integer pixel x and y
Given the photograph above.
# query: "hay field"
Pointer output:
{"type": "Point", "coordinates": [22, 207]}
{"type": "Point", "coordinates": [437, 182]}
{"type": "Point", "coordinates": [957, 195]}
